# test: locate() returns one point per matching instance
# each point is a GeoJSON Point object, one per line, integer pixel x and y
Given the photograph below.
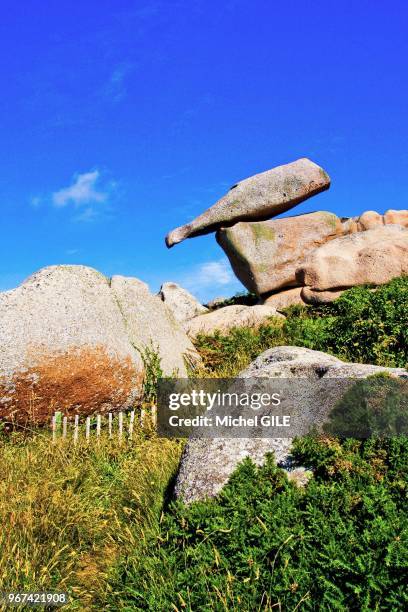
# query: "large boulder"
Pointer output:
{"type": "Point", "coordinates": [266, 254]}
{"type": "Point", "coordinates": [149, 322]}
{"type": "Point", "coordinates": [183, 305]}
{"type": "Point", "coordinates": [374, 256]}
{"type": "Point", "coordinates": [225, 319]}
{"type": "Point", "coordinates": [207, 464]}
{"type": "Point", "coordinates": [284, 299]}
{"type": "Point", "coordinates": [64, 346]}
{"type": "Point", "coordinates": [259, 197]}
{"type": "Point", "coordinates": [69, 341]}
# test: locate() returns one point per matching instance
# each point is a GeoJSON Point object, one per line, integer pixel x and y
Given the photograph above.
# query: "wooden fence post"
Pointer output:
{"type": "Point", "coordinates": [88, 428]}
{"type": "Point", "coordinates": [120, 432]}
{"type": "Point", "coordinates": [110, 424]}
{"type": "Point", "coordinates": [64, 426]}
{"type": "Point", "coordinates": [131, 422]}
{"type": "Point", "coordinates": [54, 427]}
{"type": "Point", "coordinates": [76, 428]}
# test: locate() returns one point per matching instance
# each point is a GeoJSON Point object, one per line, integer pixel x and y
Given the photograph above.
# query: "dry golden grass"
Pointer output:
{"type": "Point", "coordinates": [69, 513]}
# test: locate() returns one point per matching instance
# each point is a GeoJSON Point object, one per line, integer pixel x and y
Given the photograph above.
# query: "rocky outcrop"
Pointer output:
{"type": "Point", "coordinates": [265, 255]}
{"type": "Point", "coordinates": [183, 305]}
{"type": "Point", "coordinates": [216, 302]}
{"type": "Point", "coordinates": [396, 217]}
{"type": "Point", "coordinates": [225, 319]}
{"type": "Point", "coordinates": [314, 298]}
{"type": "Point", "coordinates": [259, 197]}
{"type": "Point", "coordinates": [374, 256]}
{"type": "Point", "coordinates": [207, 464]}
{"type": "Point", "coordinates": [64, 346]}
{"type": "Point", "coordinates": [372, 220]}
{"type": "Point", "coordinates": [69, 341]}
{"type": "Point", "coordinates": [284, 299]}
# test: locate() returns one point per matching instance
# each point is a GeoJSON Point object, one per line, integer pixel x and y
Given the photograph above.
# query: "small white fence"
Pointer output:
{"type": "Point", "coordinates": [120, 425]}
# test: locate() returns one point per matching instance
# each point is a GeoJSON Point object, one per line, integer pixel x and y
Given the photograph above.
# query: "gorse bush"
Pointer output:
{"type": "Point", "coordinates": [371, 326]}
{"type": "Point", "coordinates": [362, 325]}
{"type": "Point", "coordinates": [263, 544]}
{"type": "Point", "coordinates": [377, 405]}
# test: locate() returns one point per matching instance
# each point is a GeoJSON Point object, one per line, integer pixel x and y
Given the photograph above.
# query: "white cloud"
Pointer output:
{"type": "Point", "coordinates": [208, 279]}
{"type": "Point", "coordinates": [82, 191]}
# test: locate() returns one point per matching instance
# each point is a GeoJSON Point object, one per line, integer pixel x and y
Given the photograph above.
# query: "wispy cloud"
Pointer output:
{"type": "Point", "coordinates": [86, 215]}
{"type": "Point", "coordinates": [208, 279]}
{"type": "Point", "coordinates": [35, 201]}
{"type": "Point", "coordinates": [83, 190]}
{"type": "Point", "coordinates": [115, 89]}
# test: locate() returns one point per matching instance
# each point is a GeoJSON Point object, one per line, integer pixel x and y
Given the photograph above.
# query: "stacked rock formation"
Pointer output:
{"type": "Point", "coordinates": [308, 258]}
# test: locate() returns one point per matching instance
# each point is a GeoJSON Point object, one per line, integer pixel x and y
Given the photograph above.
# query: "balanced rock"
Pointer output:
{"type": "Point", "coordinates": [207, 464]}
{"type": "Point", "coordinates": [69, 341]}
{"type": "Point", "coordinates": [374, 256]}
{"type": "Point", "coordinates": [259, 197]}
{"type": "Point", "coordinates": [266, 254]}
{"type": "Point", "coordinates": [183, 305]}
{"type": "Point", "coordinates": [225, 319]}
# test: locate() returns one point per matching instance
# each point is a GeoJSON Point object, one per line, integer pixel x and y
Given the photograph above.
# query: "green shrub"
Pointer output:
{"type": "Point", "coordinates": [362, 325]}
{"type": "Point", "coordinates": [152, 372]}
{"type": "Point", "coordinates": [263, 544]}
{"type": "Point", "coordinates": [377, 405]}
{"type": "Point", "coordinates": [372, 326]}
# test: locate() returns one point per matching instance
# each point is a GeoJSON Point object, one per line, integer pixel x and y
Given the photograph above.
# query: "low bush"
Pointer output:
{"type": "Point", "coordinates": [339, 544]}
{"type": "Point", "coordinates": [370, 326]}
{"type": "Point", "coordinates": [362, 325]}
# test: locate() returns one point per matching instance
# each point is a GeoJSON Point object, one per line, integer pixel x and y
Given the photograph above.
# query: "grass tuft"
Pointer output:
{"type": "Point", "coordinates": [71, 513]}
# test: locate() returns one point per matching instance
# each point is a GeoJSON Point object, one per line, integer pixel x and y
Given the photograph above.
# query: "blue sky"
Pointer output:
{"type": "Point", "coordinates": [121, 120]}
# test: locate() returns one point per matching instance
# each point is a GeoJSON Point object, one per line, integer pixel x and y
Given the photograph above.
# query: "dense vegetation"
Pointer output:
{"type": "Point", "coordinates": [362, 325]}
{"type": "Point", "coordinates": [264, 544]}
{"type": "Point", "coordinates": [96, 520]}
